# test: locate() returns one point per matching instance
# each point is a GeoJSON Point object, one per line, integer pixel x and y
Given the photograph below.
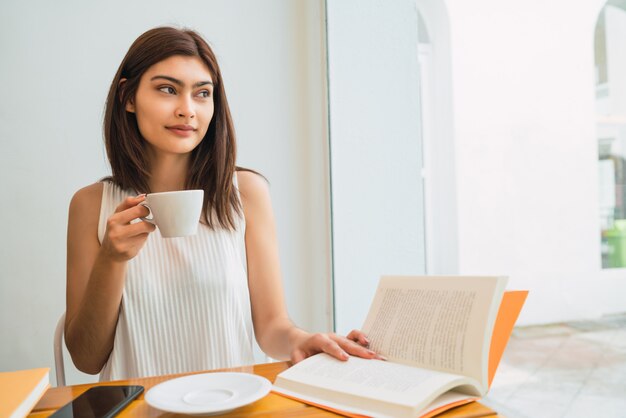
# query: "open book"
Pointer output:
{"type": "Point", "coordinates": [443, 338]}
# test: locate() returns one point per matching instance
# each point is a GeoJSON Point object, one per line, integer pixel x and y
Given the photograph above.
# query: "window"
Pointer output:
{"type": "Point", "coordinates": [610, 66]}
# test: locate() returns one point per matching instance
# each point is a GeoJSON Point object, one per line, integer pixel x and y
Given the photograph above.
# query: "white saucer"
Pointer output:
{"type": "Point", "coordinates": [208, 393]}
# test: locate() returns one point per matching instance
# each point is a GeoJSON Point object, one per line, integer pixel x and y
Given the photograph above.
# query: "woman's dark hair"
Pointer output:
{"type": "Point", "coordinates": [212, 163]}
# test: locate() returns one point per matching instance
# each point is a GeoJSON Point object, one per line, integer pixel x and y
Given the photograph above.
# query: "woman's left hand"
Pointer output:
{"type": "Point", "coordinates": [355, 344]}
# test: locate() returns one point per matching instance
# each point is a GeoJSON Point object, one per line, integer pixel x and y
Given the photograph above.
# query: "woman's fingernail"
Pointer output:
{"type": "Point", "coordinates": [344, 355]}
{"type": "Point", "coordinates": [383, 358]}
{"type": "Point", "coordinates": [141, 195]}
{"type": "Point", "coordinates": [371, 351]}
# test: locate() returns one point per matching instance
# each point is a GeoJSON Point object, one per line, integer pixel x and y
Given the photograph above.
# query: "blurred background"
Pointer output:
{"type": "Point", "coordinates": [402, 137]}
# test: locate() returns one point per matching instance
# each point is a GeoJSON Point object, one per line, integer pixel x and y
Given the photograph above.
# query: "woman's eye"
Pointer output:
{"type": "Point", "coordinates": [205, 94]}
{"type": "Point", "coordinates": [167, 89]}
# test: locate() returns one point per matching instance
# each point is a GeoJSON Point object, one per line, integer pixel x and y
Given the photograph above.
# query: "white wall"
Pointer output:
{"type": "Point", "coordinates": [376, 155]}
{"type": "Point", "coordinates": [526, 153]}
{"type": "Point", "coordinates": [58, 59]}
{"type": "Point", "coordinates": [438, 141]}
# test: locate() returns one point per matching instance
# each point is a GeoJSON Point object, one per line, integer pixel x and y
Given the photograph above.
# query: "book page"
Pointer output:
{"type": "Point", "coordinates": [436, 322]}
{"type": "Point", "coordinates": [367, 382]}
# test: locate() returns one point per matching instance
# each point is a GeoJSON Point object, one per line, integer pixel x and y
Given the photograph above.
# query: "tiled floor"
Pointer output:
{"type": "Point", "coordinates": [569, 370]}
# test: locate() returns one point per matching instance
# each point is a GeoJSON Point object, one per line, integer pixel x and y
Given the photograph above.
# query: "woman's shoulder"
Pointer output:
{"type": "Point", "coordinates": [253, 189]}
{"type": "Point", "coordinates": [87, 199]}
{"type": "Point", "coordinates": [89, 193]}
{"type": "Point", "coordinates": [250, 180]}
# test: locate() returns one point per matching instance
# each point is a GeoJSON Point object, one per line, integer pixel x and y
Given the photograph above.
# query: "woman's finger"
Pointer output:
{"type": "Point", "coordinates": [139, 228]}
{"type": "Point", "coordinates": [134, 212]}
{"type": "Point", "coordinates": [356, 349]}
{"type": "Point", "coordinates": [129, 202]}
{"type": "Point", "coordinates": [332, 348]}
{"type": "Point", "coordinates": [358, 337]}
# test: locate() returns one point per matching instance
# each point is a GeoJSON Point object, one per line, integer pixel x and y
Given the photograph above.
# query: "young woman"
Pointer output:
{"type": "Point", "coordinates": [142, 305]}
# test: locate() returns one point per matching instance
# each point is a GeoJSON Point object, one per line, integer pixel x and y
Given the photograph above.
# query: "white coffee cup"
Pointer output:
{"type": "Point", "coordinates": [176, 214]}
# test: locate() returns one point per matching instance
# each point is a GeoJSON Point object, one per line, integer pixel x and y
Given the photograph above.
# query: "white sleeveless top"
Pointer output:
{"type": "Point", "coordinates": [185, 305]}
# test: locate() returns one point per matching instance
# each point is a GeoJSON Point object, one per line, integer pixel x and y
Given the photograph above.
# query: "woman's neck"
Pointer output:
{"type": "Point", "coordinates": [168, 172]}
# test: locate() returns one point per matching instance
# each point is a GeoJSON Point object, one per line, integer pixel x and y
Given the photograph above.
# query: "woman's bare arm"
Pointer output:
{"type": "Point", "coordinates": [95, 274]}
{"type": "Point", "coordinates": [276, 334]}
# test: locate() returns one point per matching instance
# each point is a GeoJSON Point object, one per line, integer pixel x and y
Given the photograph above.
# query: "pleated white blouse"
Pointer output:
{"type": "Point", "coordinates": [185, 305]}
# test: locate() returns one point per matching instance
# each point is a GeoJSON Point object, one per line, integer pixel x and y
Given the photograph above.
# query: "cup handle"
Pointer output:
{"type": "Point", "coordinates": [150, 217]}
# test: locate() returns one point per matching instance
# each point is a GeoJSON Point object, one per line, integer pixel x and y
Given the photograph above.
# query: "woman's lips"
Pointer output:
{"type": "Point", "coordinates": [183, 131]}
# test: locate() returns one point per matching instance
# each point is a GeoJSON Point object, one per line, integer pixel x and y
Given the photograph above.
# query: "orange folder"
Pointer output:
{"type": "Point", "coordinates": [21, 390]}
{"type": "Point", "coordinates": [510, 308]}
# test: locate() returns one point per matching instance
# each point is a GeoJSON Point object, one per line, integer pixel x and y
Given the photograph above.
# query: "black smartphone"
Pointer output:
{"type": "Point", "coordinates": [99, 402]}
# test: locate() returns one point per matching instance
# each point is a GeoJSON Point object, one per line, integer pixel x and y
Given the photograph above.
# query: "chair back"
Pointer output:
{"type": "Point", "coordinates": [59, 366]}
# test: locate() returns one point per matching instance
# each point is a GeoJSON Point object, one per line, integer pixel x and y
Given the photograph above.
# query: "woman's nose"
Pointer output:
{"type": "Point", "coordinates": [185, 108]}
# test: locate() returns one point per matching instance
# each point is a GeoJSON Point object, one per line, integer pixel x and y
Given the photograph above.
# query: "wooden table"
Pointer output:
{"type": "Point", "coordinates": [270, 406]}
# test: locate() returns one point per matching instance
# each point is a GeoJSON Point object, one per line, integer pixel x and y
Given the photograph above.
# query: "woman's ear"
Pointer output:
{"type": "Point", "coordinates": [130, 106]}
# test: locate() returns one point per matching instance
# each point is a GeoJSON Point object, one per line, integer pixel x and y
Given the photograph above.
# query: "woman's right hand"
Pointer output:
{"type": "Point", "coordinates": [123, 239]}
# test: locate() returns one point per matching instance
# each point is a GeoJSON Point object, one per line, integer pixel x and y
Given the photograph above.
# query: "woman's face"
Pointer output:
{"type": "Point", "coordinates": [174, 104]}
